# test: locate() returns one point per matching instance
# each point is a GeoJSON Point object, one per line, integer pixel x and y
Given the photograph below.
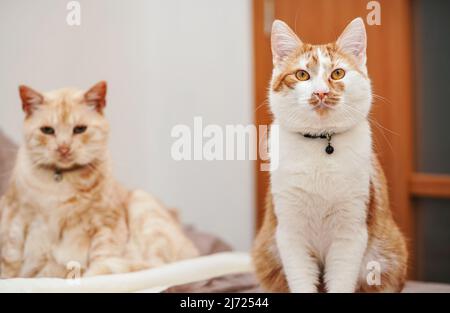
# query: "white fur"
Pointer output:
{"type": "Point", "coordinates": [321, 200]}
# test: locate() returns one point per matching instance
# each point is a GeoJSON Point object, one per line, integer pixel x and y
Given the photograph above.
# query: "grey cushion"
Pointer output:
{"type": "Point", "coordinates": [422, 287]}
{"type": "Point", "coordinates": [8, 152]}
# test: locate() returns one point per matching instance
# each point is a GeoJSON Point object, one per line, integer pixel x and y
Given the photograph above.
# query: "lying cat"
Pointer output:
{"type": "Point", "coordinates": [63, 205]}
{"type": "Point", "coordinates": [328, 225]}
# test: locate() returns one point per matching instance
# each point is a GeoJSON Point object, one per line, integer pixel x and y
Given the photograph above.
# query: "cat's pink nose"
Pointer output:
{"type": "Point", "coordinates": [321, 95]}
{"type": "Point", "coordinates": [64, 150]}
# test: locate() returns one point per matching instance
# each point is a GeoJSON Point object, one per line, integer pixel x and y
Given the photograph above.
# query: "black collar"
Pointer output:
{"type": "Point", "coordinates": [58, 173]}
{"type": "Point", "coordinates": [329, 148]}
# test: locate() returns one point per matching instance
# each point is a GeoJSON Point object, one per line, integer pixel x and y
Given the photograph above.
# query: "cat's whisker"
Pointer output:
{"type": "Point", "coordinates": [379, 127]}
{"type": "Point", "coordinates": [265, 102]}
{"type": "Point", "coordinates": [381, 98]}
{"type": "Point", "coordinates": [376, 124]}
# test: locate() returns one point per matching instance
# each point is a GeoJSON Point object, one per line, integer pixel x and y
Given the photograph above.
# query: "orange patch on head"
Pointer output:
{"type": "Point", "coordinates": [42, 140]}
{"type": "Point", "coordinates": [287, 77]}
{"type": "Point", "coordinates": [65, 111]}
{"type": "Point", "coordinates": [313, 62]}
{"type": "Point", "coordinates": [304, 49]}
{"type": "Point", "coordinates": [85, 138]}
{"type": "Point", "coordinates": [333, 52]}
{"type": "Point", "coordinates": [330, 50]}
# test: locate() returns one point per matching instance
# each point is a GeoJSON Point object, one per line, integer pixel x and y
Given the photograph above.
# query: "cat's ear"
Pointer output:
{"type": "Point", "coordinates": [284, 41]}
{"type": "Point", "coordinates": [353, 40]}
{"type": "Point", "coordinates": [31, 99]}
{"type": "Point", "coordinates": [96, 96]}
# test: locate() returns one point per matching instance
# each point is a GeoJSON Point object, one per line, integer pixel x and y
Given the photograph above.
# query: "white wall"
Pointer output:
{"type": "Point", "coordinates": [166, 61]}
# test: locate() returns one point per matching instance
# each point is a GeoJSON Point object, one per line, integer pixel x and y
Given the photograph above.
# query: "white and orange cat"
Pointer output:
{"type": "Point", "coordinates": [328, 225]}
{"type": "Point", "coordinates": [63, 204]}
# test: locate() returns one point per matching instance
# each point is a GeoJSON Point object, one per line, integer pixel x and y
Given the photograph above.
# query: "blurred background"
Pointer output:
{"type": "Point", "coordinates": [167, 61]}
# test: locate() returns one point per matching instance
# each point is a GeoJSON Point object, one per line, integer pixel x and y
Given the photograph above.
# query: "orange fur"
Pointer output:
{"type": "Point", "coordinates": [87, 217]}
{"type": "Point", "coordinates": [385, 241]}
{"type": "Point", "coordinates": [381, 228]}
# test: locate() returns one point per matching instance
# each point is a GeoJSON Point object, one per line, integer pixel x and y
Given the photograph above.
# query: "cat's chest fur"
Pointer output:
{"type": "Point", "coordinates": [310, 187]}
{"type": "Point", "coordinates": [58, 228]}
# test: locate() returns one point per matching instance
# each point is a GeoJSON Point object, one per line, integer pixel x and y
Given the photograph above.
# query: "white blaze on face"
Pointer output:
{"type": "Point", "coordinates": [347, 100]}
{"type": "Point", "coordinates": [320, 81]}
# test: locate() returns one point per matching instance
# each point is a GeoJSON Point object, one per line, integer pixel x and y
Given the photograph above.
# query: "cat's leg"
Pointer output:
{"type": "Point", "coordinates": [12, 239]}
{"type": "Point", "coordinates": [106, 251]}
{"type": "Point", "coordinates": [345, 254]}
{"type": "Point", "coordinates": [114, 265]}
{"type": "Point", "coordinates": [36, 253]}
{"type": "Point", "coordinates": [384, 265]}
{"type": "Point", "coordinates": [156, 235]}
{"type": "Point", "coordinates": [301, 268]}
{"type": "Point", "coordinates": [31, 267]}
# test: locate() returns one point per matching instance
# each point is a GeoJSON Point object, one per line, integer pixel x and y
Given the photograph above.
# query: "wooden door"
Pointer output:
{"type": "Point", "coordinates": [430, 182]}
{"type": "Point", "coordinates": [390, 67]}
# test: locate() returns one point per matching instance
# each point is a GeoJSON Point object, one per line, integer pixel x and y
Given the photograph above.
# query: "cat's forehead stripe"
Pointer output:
{"type": "Point", "coordinates": [65, 110]}
{"type": "Point", "coordinates": [319, 56]}
{"type": "Point", "coordinates": [312, 60]}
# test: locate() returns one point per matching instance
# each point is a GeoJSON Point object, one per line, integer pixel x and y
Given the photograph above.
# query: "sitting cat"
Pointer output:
{"type": "Point", "coordinates": [327, 225]}
{"type": "Point", "coordinates": [63, 205]}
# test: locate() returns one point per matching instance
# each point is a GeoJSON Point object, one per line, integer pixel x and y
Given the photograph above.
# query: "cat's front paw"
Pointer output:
{"type": "Point", "coordinates": [303, 288]}
{"type": "Point", "coordinates": [114, 266]}
{"type": "Point", "coordinates": [341, 288]}
{"type": "Point", "coordinates": [106, 266]}
{"type": "Point", "coordinates": [97, 269]}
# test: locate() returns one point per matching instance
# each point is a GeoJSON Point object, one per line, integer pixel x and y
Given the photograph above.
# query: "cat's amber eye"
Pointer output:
{"type": "Point", "coordinates": [302, 75]}
{"type": "Point", "coordinates": [338, 74]}
{"type": "Point", "coordinates": [79, 129]}
{"type": "Point", "coordinates": [47, 130]}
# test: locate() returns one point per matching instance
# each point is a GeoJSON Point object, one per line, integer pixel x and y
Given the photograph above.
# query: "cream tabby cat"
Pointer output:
{"type": "Point", "coordinates": [63, 204]}
{"type": "Point", "coordinates": [328, 221]}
